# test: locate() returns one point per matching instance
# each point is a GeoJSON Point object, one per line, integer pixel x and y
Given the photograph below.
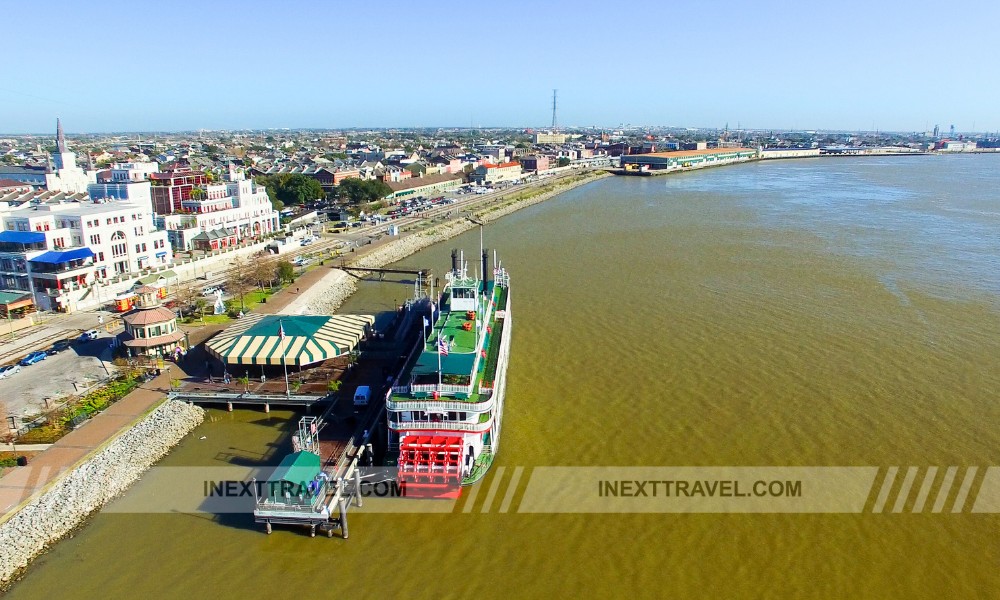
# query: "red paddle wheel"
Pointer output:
{"type": "Point", "coordinates": [430, 466]}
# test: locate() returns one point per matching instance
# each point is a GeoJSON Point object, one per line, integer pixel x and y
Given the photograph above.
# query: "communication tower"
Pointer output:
{"type": "Point", "coordinates": [555, 124]}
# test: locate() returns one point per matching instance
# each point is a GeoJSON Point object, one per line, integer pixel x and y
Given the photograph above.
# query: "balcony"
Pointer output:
{"type": "Point", "coordinates": [439, 405]}
{"type": "Point", "coordinates": [480, 427]}
{"type": "Point", "coordinates": [444, 388]}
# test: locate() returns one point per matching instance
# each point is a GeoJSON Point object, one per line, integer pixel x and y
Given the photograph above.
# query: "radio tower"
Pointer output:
{"type": "Point", "coordinates": [555, 124]}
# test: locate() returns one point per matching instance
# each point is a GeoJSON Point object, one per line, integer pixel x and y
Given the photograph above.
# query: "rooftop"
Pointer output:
{"type": "Point", "coordinates": [691, 153]}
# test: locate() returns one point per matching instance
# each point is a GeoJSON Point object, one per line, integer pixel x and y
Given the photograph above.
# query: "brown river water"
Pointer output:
{"type": "Point", "coordinates": [841, 312]}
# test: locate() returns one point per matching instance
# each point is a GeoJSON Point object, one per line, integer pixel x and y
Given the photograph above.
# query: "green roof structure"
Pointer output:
{"type": "Point", "coordinates": [255, 340]}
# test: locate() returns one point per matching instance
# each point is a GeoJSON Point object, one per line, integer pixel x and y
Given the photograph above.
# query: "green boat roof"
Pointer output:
{"type": "Point", "coordinates": [299, 468]}
{"type": "Point", "coordinates": [462, 344]}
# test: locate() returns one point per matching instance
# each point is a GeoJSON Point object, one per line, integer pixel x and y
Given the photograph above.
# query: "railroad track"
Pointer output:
{"type": "Point", "coordinates": [44, 342]}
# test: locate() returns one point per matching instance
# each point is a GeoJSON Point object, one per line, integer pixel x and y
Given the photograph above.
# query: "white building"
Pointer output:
{"type": "Point", "coordinates": [133, 171]}
{"type": "Point", "coordinates": [490, 173]}
{"type": "Point", "coordinates": [60, 175]}
{"type": "Point", "coordinates": [236, 203]}
{"type": "Point", "coordinates": [66, 176]}
{"type": "Point", "coordinates": [58, 246]}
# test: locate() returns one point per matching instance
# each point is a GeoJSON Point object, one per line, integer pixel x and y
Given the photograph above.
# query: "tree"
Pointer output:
{"type": "Point", "coordinates": [359, 191]}
{"type": "Point", "coordinates": [290, 188]}
{"type": "Point", "coordinates": [563, 161]}
{"type": "Point", "coordinates": [265, 270]}
{"type": "Point", "coordinates": [299, 189]}
{"type": "Point", "coordinates": [197, 193]}
{"type": "Point", "coordinates": [199, 305]}
{"type": "Point", "coordinates": [240, 280]}
{"type": "Point", "coordinates": [186, 295]}
{"type": "Point", "coordinates": [286, 271]}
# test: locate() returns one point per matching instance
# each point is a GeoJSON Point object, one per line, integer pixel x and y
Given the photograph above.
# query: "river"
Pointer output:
{"type": "Point", "coordinates": [816, 312]}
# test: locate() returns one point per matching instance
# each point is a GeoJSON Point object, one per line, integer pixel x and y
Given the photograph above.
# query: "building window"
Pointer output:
{"type": "Point", "coordinates": [119, 247]}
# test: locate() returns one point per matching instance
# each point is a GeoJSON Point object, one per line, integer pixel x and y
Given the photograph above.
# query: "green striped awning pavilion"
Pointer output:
{"type": "Point", "coordinates": [253, 340]}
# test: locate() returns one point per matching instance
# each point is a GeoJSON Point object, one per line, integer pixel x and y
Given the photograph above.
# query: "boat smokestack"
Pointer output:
{"type": "Point", "coordinates": [486, 263]}
{"type": "Point", "coordinates": [454, 260]}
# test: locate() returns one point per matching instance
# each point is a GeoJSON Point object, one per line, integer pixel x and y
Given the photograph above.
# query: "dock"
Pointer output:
{"type": "Point", "coordinates": [333, 448]}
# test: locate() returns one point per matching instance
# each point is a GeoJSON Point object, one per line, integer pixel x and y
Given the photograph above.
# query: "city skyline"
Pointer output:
{"type": "Point", "coordinates": [770, 65]}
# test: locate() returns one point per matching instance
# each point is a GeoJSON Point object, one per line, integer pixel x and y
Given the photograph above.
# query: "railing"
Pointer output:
{"type": "Point", "coordinates": [438, 405]}
{"type": "Point", "coordinates": [400, 389]}
{"type": "Point", "coordinates": [270, 506]}
{"type": "Point", "coordinates": [433, 387]}
{"type": "Point", "coordinates": [442, 425]}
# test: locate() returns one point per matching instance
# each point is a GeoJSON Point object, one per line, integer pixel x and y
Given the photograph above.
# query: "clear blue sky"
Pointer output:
{"type": "Point", "coordinates": [141, 66]}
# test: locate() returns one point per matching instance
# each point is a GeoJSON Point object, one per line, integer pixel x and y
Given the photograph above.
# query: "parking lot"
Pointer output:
{"type": "Point", "coordinates": [74, 369]}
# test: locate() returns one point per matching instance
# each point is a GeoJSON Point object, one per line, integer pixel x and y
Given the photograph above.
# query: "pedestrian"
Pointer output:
{"type": "Point", "coordinates": [262, 378]}
{"type": "Point", "coordinates": [296, 290]}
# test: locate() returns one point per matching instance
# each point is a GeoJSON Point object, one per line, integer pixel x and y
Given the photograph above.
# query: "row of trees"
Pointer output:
{"type": "Point", "coordinates": [356, 191]}
{"type": "Point", "coordinates": [291, 188]}
{"type": "Point", "coordinates": [259, 272]}
{"type": "Point", "coordinates": [245, 275]}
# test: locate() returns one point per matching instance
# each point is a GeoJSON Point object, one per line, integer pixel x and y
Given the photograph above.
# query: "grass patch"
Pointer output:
{"type": "Point", "coordinates": [217, 319]}
{"type": "Point", "coordinates": [60, 422]}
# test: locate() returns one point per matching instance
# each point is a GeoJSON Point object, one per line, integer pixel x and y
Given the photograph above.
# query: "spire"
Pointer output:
{"type": "Point", "coordinates": [60, 138]}
{"type": "Point", "coordinates": [90, 161]}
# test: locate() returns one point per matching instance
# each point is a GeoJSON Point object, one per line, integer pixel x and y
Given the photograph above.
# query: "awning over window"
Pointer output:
{"type": "Point", "coordinates": [22, 237]}
{"type": "Point", "coordinates": [63, 256]}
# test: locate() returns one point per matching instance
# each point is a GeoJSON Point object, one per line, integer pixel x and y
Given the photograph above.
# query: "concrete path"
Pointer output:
{"type": "Point", "coordinates": [20, 484]}
{"type": "Point", "coordinates": [24, 447]}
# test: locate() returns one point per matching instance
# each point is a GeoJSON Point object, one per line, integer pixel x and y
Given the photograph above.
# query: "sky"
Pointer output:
{"type": "Point", "coordinates": [183, 65]}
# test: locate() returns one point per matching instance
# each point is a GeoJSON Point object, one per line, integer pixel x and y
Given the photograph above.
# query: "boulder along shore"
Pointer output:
{"type": "Point", "coordinates": [88, 487]}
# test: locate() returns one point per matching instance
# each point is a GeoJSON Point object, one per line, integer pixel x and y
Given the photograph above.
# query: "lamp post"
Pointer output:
{"type": "Point", "coordinates": [13, 434]}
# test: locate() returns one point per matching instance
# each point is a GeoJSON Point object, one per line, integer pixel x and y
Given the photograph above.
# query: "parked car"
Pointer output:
{"type": "Point", "coordinates": [60, 346]}
{"type": "Point", "coordinates": [89, 335]}
{"type": "Point", "coordinates": [209, 291]}
{"type": "Point", "coordinates": [32, 358]}
{"type": "Point", "coordinates": [8, 370]}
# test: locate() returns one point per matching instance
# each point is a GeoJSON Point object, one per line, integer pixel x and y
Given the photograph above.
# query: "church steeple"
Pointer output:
{"type": "Point", "coordinates": [62, 157]}
{"type": "Point", "coordinates": [60, 138]}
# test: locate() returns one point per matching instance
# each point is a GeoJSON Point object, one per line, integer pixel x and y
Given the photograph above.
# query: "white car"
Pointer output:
{"type": "Point", "coordinates": [209, 291]}
{"type": "Point", "coordinates": [8, 370]}
{"type": "Point", "coordinates": [89, 335]}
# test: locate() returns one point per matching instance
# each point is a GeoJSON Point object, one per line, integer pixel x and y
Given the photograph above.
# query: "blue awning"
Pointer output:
{"type": "Point", "coordinates": [62, 256]}
{"type": "Point", "coordinates": [22, 237]}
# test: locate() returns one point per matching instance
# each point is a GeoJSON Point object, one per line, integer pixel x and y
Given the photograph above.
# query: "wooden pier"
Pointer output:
{"type": "Point", "coordinates": [230, 399]}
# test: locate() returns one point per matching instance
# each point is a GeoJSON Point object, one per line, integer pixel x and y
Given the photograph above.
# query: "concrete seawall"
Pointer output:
{"type": "Point", "coordinates": [88, 487]}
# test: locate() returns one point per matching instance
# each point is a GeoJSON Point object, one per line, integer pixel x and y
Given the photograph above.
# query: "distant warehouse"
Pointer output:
{"type": "Point", "coordinates": [687, 159]}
